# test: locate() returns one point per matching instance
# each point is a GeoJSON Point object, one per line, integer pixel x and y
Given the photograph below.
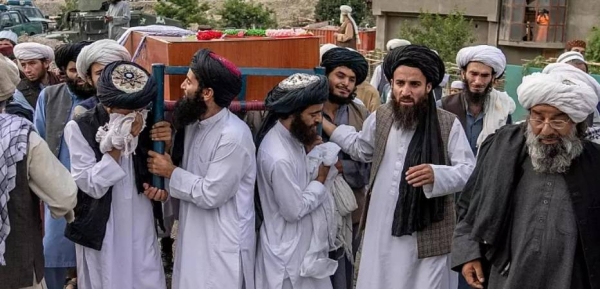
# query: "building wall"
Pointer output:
{"type": "Point", "coordinates": [477, 8]}
{"type": "Point", "coordinates": [582, 15]}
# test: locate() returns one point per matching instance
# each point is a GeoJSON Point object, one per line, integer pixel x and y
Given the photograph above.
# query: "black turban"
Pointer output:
{"type": "Point", "coordinates": [293, 95]}
{"type": "Point", "coordinates": [338, 56]}
{"type": "Point", "coordinates": [214, 71]}
{"type": "Point", "coordinates": [68, 52]}
{"type": "Point", "coordinates": [421, 57]}
{"type": "Point", "coordinates": [126, 85]}
{"type": "Point", "coordinates": [414, 212]}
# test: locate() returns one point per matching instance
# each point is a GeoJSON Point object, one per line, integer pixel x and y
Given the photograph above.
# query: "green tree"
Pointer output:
{"type": "Point", "coordinates": [186, 11]}
{"type": "Point", "coordinates": [329, 10]}
{"type": "Point", "coordinates": [446, 34]}
{"type": "Point", "coordinates": [246, 14]}
{"type": "Point", "coordinates": [592, 51]}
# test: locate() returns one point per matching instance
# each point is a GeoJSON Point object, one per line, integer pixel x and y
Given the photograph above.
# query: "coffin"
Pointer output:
{"type": "Point", "coordinates": [296, 52]}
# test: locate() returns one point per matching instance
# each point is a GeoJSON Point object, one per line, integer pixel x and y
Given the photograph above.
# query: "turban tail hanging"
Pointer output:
{"type": "Point", "coordinates": [414, 211]}
{"type": "Point", "coordinates": [292, 95]}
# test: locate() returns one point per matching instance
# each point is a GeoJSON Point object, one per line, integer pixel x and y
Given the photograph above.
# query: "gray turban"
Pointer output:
{"type": "Point", "coordinates": [9, 78]}
{"type": "Point", "coordinates": [102, 52]}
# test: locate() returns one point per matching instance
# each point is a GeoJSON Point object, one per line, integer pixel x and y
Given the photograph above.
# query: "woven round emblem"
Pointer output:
{"type": "Point", "coordinates": [298, 80]}
{"type": "Point", "coordinates": [129, 78]}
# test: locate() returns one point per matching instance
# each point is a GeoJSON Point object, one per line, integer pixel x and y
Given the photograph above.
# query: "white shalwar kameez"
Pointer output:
{"type": "Point", "coordinates": [216, 236]}
{"type": "Point", "coordinates": [130, 256]}
{"type": "Point", "coordinates": [288, 196]}
{"type": "Point", "coordinates": [389, 262]}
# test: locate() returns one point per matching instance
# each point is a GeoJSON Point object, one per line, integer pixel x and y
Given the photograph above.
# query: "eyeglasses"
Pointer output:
{"type": "Point", "coordinates": [556, 124]}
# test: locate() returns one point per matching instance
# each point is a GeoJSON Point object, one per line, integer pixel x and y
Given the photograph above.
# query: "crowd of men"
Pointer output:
{"type": "Point", "coordinates": [414, 190]}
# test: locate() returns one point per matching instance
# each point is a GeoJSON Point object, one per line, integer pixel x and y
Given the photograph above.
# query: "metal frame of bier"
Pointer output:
{"type": "Point", "coordinates": [159, 71]}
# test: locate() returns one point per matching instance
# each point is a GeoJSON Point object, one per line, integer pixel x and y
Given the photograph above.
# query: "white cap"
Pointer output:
{"type": "Point", "coordinates": [457, 84]}
{"type": "Point", "coordinates": [7, 34]}
{"type": "Point", "coordinates": [569, 56]}
{"type": "Point", "coordinates": [346, 9]}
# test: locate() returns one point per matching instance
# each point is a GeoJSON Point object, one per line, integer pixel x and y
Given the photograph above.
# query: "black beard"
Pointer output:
{"type": "Point", "coordinates": [341, 100]}
{"type": "Point", "coordinates": [407, 117]}
{"type": "Point", "coordinates": [477, 98]}
{"type": "Point", "coordinates": [305, 134]}
{"type": "Point", "coordinates": [83, 91]}
{"type": "Point", "coordinates": [188, 110]}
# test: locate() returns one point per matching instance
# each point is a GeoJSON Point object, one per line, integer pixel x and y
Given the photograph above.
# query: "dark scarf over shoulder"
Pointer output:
{"type": "Point", "coordinates": [414, 211]}
{"type": "Point", "coordinates": [91, 214]}
{"type": "Point", "coordinates": [488, 195]}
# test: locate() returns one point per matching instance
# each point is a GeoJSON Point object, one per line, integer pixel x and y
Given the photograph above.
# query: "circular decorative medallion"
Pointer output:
{"type": "Point", "coordinates": [129, 78]}
{"type": "Point", "coordinates": [298, 80]}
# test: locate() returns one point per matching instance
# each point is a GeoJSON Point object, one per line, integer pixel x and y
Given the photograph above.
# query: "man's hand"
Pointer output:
{"type": "Point", "coordinates": [473, 273]}
{"type": "Point", "coordinates": [161, 131]}
{"type": "Point", "coordinates": [420, 175]}
{"type": "Point", "coordinates": [155, 194]}
{"type": "Point", "coordinates": [323, 172]}
{"type": "Point", "coordinates": [136, 126]}
{"type": "Point", "coordinates": [328, 127]}
{"type": "Point", "coordinates": [339, 167]}
{"type": "Point", "coordinates": [160, 165]}
{"type": "Point", "coordinates": [317, 142]}
{"type": "Point", "coordinates": [115, 154]}
{"type": "Point", "coordinates": [108, 18]}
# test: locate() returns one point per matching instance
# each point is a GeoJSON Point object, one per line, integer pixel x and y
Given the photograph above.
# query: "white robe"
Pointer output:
{"type": "Point", "coordinates": [288, 196]}
{"type": "Point", "coordinates": [121, 13]}
{"type": "Point", "coordinates": [216, 239]}
{"type": "Point", "coordinates": [389, 262]}
{"type": "Point", "coordinates": [130, 256]}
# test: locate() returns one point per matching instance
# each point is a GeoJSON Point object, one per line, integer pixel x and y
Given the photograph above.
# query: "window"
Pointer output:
{"type": "Point", "coordinates": [15, 18]}
{"type": "Point", "coordinates": [540, 21]}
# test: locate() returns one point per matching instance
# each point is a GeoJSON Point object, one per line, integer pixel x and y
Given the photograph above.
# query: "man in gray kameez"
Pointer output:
{"type": "Point", "coordinates": [117, 16]}
{"type": "Point", "coordinates": [528, 217]}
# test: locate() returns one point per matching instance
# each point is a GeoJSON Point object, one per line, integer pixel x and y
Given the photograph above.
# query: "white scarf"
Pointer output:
{"type": "Point", "coordinates": [116, 134]}
{"type": "Point", "coordinates": [497, 108]}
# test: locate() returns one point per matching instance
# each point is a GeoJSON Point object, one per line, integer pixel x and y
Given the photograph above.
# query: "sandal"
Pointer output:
{"type": "Point", "coordinates": [71, 284]}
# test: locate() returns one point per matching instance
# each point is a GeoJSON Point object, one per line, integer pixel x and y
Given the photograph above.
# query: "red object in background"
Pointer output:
{"type": "Point", "coordinates": [209, 35]}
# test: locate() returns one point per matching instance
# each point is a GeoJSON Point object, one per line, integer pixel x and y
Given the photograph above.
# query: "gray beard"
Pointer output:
{"type": "Point", "coordinates": [554, 158]}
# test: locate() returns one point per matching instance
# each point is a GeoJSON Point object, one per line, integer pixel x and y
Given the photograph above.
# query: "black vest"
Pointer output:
{"type": "Point", "coordinates": [24, 249]}
{"type": "Point", "coordinates": [91, 214]}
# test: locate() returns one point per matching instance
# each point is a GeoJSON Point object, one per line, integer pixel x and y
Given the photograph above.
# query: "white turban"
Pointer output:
{"type": "Point", "coordinates": [570, 71]}
{"type": "Point", "coordinates": [33, 51]}
{"type": "Point", "coordinates": [567, 94]}
{"type": "Point", "coordinates": [102, 52]}
{"type": "Point", "coordinates": [569, 56]}
{"type": "Point", "coordinates": [395, 43]}
{"type": "Point", "coordinates": [345, 9]}
{"type": "Point", "coordinates": [9, 78]}
{"type": "Point", "coordinates": [325, 48]}
{"type": "Point", "coordinates": [7, 34]}
{"type": "Point", "coordinates": [488, 55]}
{"type": "Point", "coordinates": [457, 84]}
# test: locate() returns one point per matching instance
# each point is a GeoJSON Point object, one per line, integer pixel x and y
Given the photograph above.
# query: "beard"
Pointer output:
{"type": "Point", "coordinates": [304, 133]}
{"type": "Point", "coordinates": [340, 100]}
{"type": "Point", "coordinates": [477, 98]}
{"type": "Point", "coordinates": [552, 158]}
{"type": "Point", "coordinates": [188, 110]}
{"type": "Point", "coordinates": [407, 117]}
{"type": "Point", "coordinates": [82, 91]}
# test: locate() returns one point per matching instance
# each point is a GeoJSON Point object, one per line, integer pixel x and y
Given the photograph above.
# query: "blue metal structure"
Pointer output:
{"type": "Point", "coordinates": [160, 70]}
